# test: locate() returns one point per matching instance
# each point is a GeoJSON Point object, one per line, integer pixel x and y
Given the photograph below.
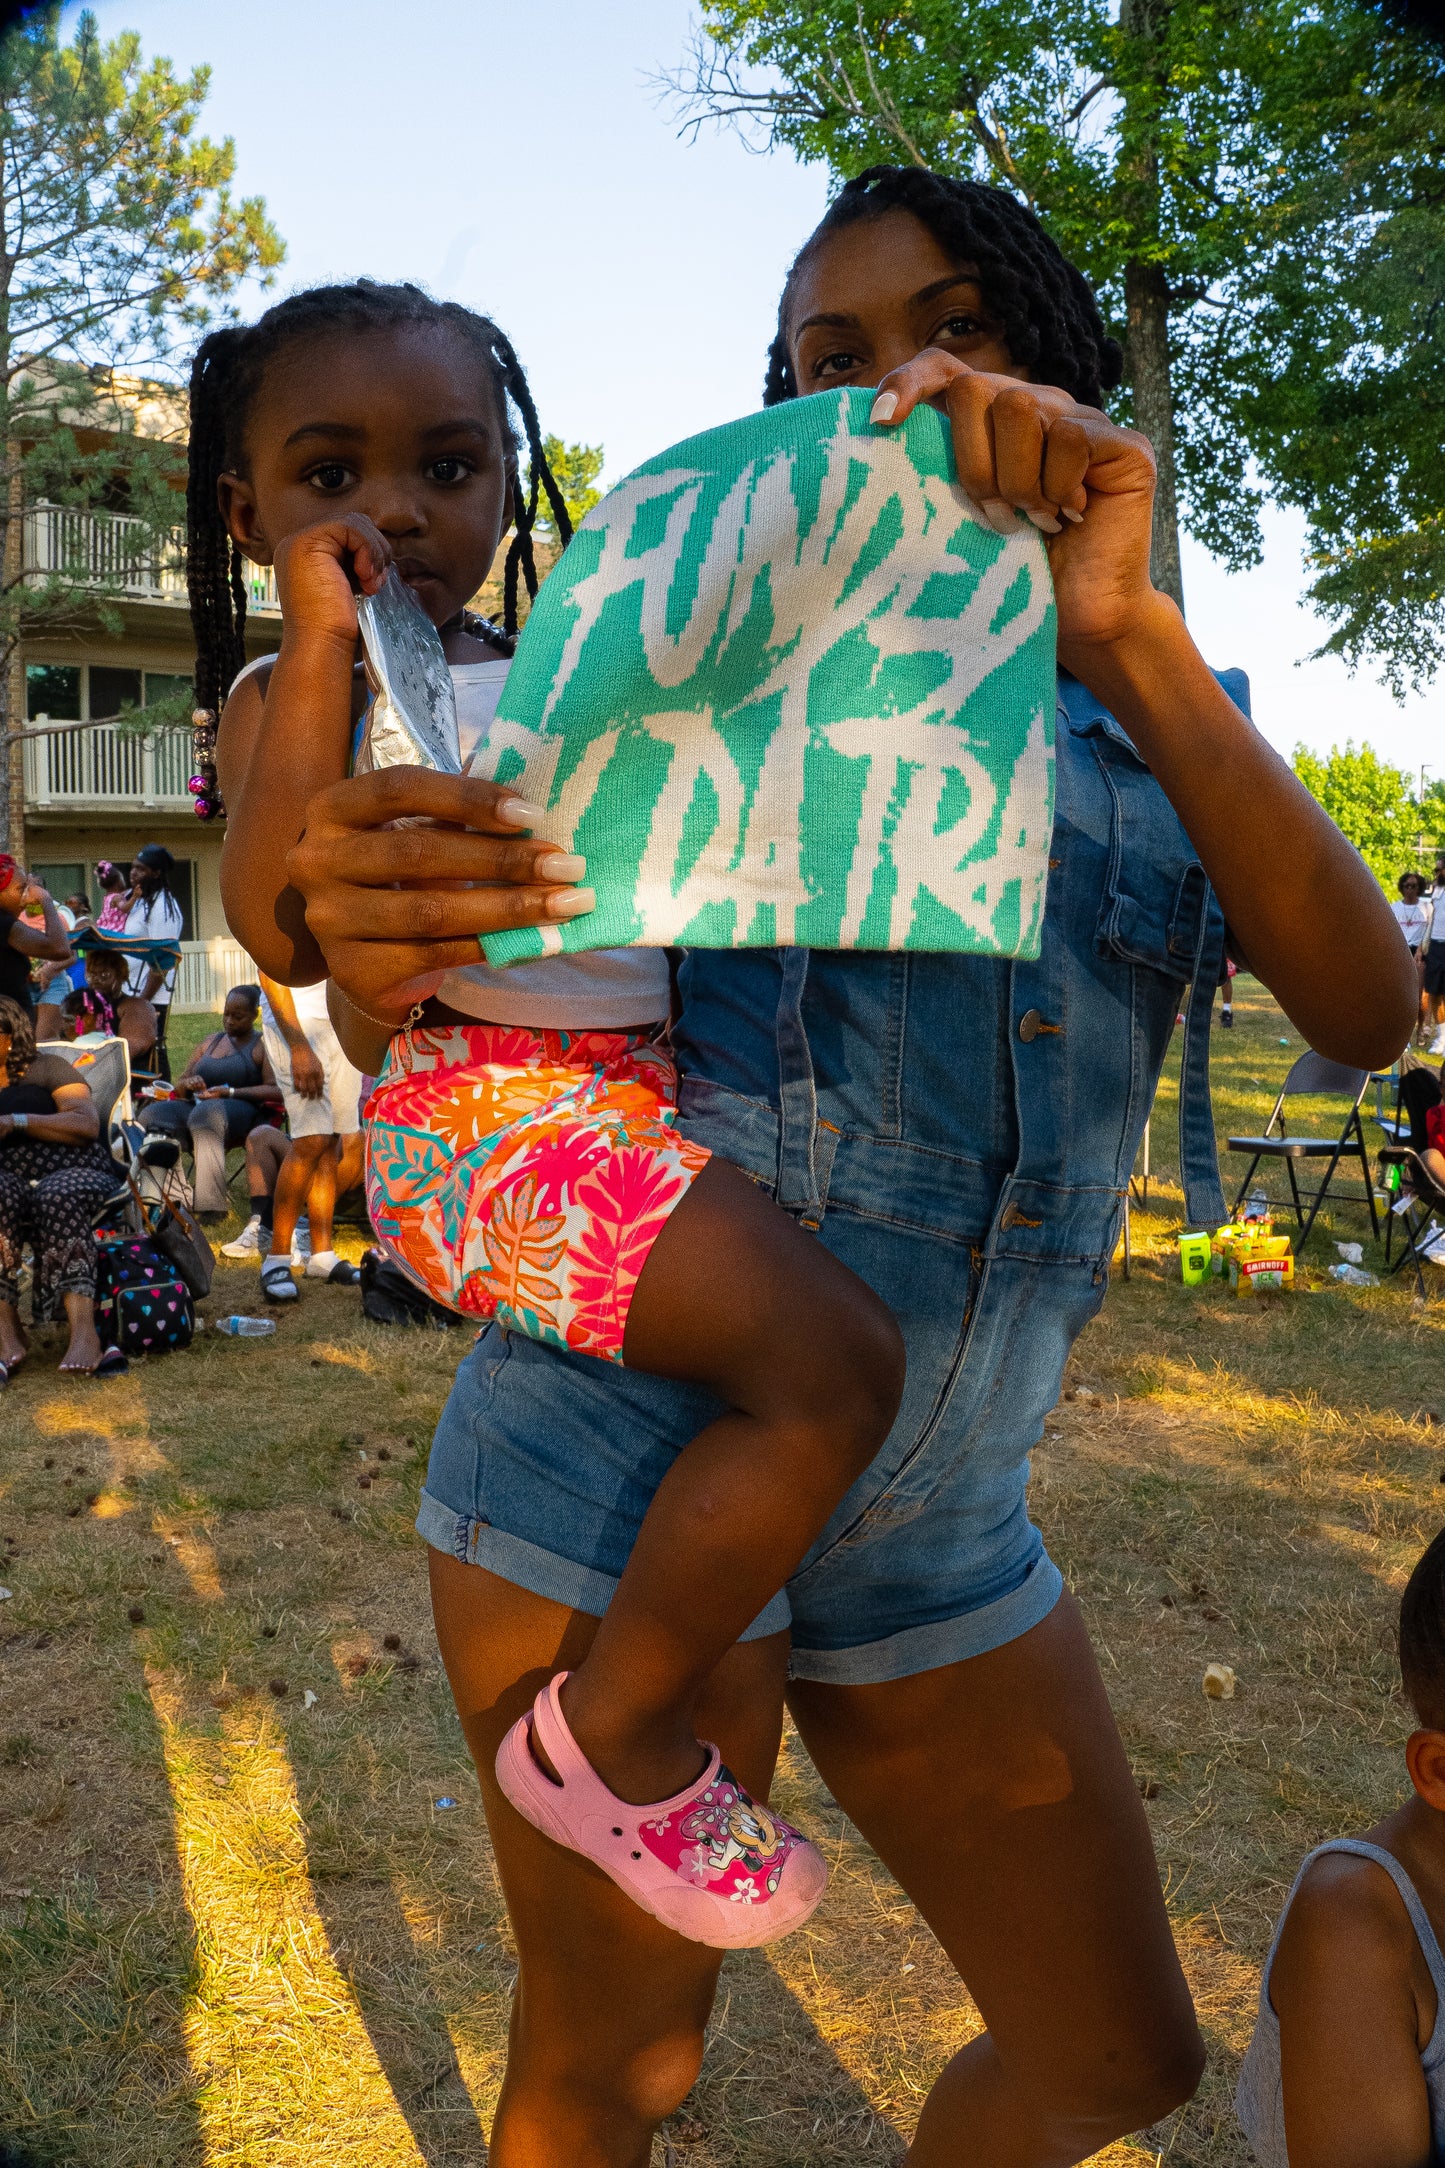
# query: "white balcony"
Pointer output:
{"type": "Point", "coordinates": [100, 769]}
{"type": "Point", "coordinates": [111, 550]}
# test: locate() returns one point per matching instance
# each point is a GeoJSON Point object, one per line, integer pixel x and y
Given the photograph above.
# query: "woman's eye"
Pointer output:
{"type": "Point", "coordinates": [329, 478]}
{"type": "Point", "coordinates": [835, 364]}
{"type": "Point", "coordinates": [450, 468]}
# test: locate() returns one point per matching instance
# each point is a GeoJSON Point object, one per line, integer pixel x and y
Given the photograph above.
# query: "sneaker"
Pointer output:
{"type": "Point", "coordinates": [1437, 1044]}
{"type": "Point", "coordinates": [1226, 1018]}
{"type": "Point", "coordinates": [247, 1242]}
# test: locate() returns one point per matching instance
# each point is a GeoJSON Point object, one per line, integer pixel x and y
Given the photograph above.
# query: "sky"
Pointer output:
{"type": "Point", "coordinates": [519, 159]}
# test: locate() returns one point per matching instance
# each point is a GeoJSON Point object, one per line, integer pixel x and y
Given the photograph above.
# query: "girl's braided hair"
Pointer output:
{"type": "Point", "coordinates": [1045, 309]}
{"type": "Point", "coordinates": [227, 374]}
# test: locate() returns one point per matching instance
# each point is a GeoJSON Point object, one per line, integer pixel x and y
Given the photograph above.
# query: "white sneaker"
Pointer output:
{"type": "Point", "coordinates": [247, 1242]}
{"type": "Point", "coordinates": [1437, 1044]}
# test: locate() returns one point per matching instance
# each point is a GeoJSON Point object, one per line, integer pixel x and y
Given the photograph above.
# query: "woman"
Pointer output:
{"type": "Point", "coordinates": [960, 1131]}
{"type": "Point", "coordinates": [1412, 916]}
{"type": "Point", "coordinates": [55, 1175]}
{"type": "Point", "coordinates": [154, 915]}
{"type": "Point", "coordinates": [221, 1097]}
{"type": "Point", "coordinates": [31, 931]}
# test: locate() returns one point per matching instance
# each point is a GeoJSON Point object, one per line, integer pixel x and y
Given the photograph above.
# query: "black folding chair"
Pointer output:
{"type": "Point", "coordinates": [1427, 1199]}
{"type": "Point", "coordinates": [1312, 1076]}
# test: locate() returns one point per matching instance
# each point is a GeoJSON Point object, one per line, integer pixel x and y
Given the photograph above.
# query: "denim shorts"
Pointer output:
{"type": "Point", "coordinates": [545, 1460]}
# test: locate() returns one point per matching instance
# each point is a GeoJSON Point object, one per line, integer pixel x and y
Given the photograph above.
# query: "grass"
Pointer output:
{"type": "Point", "coordinates": [237, 1929]}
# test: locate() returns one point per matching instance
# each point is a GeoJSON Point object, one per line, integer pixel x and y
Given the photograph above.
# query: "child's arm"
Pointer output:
{"type": "Point", "coordinates": [277, 749]}
{"type": "Point", "coordinates": [1344, 1988]}
{"type": "Point", "coordinates": [1300, 901]}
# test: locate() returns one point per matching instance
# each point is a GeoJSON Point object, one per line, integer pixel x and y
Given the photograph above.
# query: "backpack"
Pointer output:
{"type": "Point", "coordinates": [388, 1297]}
{"type": "Point", "coordinates": [142, 1306]}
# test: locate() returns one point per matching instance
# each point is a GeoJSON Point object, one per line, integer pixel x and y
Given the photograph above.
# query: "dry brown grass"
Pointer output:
{"type": "Point", "coordinates": [236, 1930]}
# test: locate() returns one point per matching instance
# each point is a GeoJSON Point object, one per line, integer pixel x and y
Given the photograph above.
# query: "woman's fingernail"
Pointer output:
{"type": "Point", "coordinates": [1000, 516]}
{"type": "Point", "coordinates": [884, 407]}
{"type": "Point", "coordinates": [519, 814]}
{"type": "Point", "coordinates": [1067, 512]}
{"type": "Point", "coordinates": [1044, 521]}
{"type": "Point", "coordinates": [572, 903]}
{"type": "Point", "coordinates": [560, 866]}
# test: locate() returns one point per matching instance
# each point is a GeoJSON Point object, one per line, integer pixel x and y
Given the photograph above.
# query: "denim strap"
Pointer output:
{"type": "Point", "coordinates": [1204, 1204]}
{"type": "Point", "coordinates": [799, 1135]}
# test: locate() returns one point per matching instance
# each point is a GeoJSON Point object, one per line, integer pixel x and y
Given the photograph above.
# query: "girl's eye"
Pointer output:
{"type": "Point", "coordinates": [329, 477]}
{"type": "Point", "coordinates": [959, 327]}
{"type": "Point", "coordinates": [835, 364]}
{"type": "Point", "coordinates": [451, 467]}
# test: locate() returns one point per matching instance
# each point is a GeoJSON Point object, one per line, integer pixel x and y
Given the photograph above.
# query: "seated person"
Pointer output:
{"type": "Point", "coordinates": [1347, 2064]}
{"type": "Point", "coordinates": [131, 1018]}
{"type": "Point", "coordinates": [267, 1149]}
{"type": "Point", "coordinates": [220, 1097]}
{"type": "Point", "coordinates": [55, 1175]}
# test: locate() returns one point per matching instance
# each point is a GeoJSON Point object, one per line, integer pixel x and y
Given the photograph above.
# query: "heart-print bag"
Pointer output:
{"type": "Point", "coordinates": [141, 1305]}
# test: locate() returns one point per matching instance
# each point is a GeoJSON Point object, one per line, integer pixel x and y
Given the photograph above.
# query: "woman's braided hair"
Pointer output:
{"type": "Point", "coordinates": [18, 1026]}
{"type": "Point", "coordinates": [1044, 308]}
{"type": "Point", "coordinates": [227, 374]}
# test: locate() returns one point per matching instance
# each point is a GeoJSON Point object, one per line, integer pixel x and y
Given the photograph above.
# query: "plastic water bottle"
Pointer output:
{"type": "Point", "coordinates": [246, 1328]}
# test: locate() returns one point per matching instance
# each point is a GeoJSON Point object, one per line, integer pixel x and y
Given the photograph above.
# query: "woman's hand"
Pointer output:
{"type": "Point", "coordinates": [394, 909]}
{"type": "Point", "coordinates": [1029, 450]}
{"type": "Point", "coordinates": [314, 572]}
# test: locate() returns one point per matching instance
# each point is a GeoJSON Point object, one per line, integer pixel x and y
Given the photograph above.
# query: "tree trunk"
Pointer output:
{"type": "Point", "coordinates": [1146, 299]}
{"type": "Point", "coordinates": [12, 683]}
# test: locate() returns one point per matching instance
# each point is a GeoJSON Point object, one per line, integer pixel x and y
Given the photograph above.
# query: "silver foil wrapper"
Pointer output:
{"type": "Point", "coordinates": [412, 720]}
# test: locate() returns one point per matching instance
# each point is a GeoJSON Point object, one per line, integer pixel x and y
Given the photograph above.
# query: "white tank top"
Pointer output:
{"type": "Point", "coordinates": [594, 990]}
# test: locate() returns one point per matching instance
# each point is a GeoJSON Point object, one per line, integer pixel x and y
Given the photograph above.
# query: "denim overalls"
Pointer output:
{"type": "Point", "coordinates": [960, 1131]}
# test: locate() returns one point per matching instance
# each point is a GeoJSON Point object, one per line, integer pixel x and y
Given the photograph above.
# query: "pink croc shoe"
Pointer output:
{"type": "Point", "coordinates": [709, 1862]}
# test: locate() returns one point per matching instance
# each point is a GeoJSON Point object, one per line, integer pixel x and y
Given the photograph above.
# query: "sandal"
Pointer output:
{"type": "Point", "coordinates": [277, 1284]}
{"type": "Point", "coordinates": [709, 1862]}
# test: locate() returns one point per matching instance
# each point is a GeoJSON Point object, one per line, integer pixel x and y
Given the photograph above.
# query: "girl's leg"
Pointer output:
{"type": "Point", "coordinates": [809, 1362]}
{"type": "Point", "coordinates": [999, 1794]}
{"type": "Point", "coordinates": [609, 2009]}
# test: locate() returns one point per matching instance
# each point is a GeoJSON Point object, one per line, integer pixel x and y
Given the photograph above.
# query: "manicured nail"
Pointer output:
{"type": "Point", "coordinates": [1067, 512]}
{"type": "Point", "coordinates": [1000, 516]}
{"type": "Point", "coordinates": [884, 407]}
{"type": "Point", "coordinates": [519, 814]}
{"type": "Point", "coordinates": [1044, 521]}
{"type": "Point", "coordinates": [560, 866]}
{"type": "Point", "coordinates": [572, 903]}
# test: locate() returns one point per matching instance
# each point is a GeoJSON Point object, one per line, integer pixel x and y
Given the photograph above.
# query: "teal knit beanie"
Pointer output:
{"type": "Point", "coordinates": [785, 686]}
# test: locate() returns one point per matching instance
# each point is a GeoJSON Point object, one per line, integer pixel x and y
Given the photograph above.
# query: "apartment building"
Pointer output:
{"type": "Point", "coordinates": [99, 791]}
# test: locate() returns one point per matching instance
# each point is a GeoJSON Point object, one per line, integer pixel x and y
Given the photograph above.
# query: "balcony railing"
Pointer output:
{"type": "Point", "coordinates": [115, 550]}
{"type": "Point", "coordinates": [104, 767]}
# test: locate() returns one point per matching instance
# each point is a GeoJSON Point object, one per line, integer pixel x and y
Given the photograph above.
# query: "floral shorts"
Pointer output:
{"type": "Point", "coordinates": [523, 1176]}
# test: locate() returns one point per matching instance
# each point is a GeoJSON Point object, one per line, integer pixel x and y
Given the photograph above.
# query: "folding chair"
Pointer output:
{"type": "Point", "coordinates": [1420, 1221]}
{"type": "Point", "coordinates": [1314, 1077]}
{"type": "Point", "coordinates": [104, 1064]}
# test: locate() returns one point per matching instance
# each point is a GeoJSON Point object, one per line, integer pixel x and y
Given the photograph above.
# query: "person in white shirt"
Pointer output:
{"type": "Point", "coordinates": [154, 915]}
{"type": "Point", "coordinates": [322, 1092]}
{"type": "Point", "coordinates": [1412, 914]}
{"type": "Point", "coordinates": [1432, 962]}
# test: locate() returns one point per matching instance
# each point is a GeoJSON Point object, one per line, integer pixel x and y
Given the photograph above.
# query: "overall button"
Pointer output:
{"type": "Point", "coordinates": [1030, 1025]}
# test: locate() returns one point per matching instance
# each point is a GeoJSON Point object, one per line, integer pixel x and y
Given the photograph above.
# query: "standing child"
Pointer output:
{"type": "Point", "coordinates": [1347, 2065]}
{"type": "Point", "coordinates": [350, 429]}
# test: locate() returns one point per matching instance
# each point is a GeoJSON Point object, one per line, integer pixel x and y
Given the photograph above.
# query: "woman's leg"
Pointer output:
{"type": "Point", "coordinates": [14, 1195]}
{"type": "Point", "coordinates": [84, 1351]}
{"type": "Point", "coordinates": [998, 1793]}
{"type": "Point", "coordinates": [609, 2010]}
{"type": "Point", "coordinates": [209, 1122]}
{"type": "Point", "coordinates": [64, 1204]}
{"type": "Point", "coordinates": [808, 1362]}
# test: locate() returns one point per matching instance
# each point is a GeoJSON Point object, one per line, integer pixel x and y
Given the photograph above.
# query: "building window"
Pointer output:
{"type": "Point", "coordinates": [64, 880]}
{"type": "Point", "coordinates": [53, 689]}
{"type": "Point", "coordinates": [112, 690]}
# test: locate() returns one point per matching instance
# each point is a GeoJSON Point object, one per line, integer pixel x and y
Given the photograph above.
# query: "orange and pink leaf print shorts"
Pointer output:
{"type": "Point", "coordinates": [525, 1175]}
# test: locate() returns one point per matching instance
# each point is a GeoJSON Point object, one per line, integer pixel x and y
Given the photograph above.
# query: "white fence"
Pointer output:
{"type": "Point", "coordinates": [113, 550]}
{"type": "Point", "coordinates": [103, 767]}
{"type": "Point", "coordinates": [207, 972]}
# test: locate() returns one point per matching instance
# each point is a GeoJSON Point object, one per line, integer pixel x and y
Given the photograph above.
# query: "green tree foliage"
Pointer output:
{"type": "Point", "coordinates": [575, 469]}
{"type": "Point", "coordinates": [119, 236]}
{"type": "Point", "coordinates": [1221, 170]}
{"type": "Point", "coordinates": [1374, 805]}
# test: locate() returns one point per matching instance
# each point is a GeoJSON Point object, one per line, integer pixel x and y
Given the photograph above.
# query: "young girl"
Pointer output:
{"type": "Point", "coordinates": [1347, 2063]}
{"type": "Point", "coordinates": [350, 429]}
